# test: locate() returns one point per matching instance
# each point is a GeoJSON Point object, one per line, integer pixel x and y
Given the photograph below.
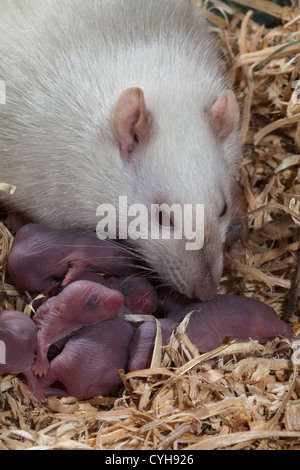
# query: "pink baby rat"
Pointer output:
{"type": "Point", "coordinates": [89, 362]}
{"type": "Point", "coordinates": [40, 256]}
{"type": "Point", "coordinates": [140, 296]}
{"type": "Point", "coordinates": [232, 316]}
{"type": "Point", "coordinates": [79, 304]}
{"type": "Point", "coordinates": [18, 333]}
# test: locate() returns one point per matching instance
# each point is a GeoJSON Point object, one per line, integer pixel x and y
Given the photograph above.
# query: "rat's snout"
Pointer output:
{"type": "Point", "coordinates": [206, 292]}
{"type": "Point", "coordinates": [205, 285]}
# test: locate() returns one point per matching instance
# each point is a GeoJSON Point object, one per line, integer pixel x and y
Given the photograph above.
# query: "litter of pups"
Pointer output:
{"type": "Point", "coordinates": [83, 316]}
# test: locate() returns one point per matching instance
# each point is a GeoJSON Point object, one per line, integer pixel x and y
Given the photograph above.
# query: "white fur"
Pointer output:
{"type": "Point", "coordinates": [65, 63]}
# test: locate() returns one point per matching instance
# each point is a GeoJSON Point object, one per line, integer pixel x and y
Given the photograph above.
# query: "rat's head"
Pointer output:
{"type": "Point", "coordinates": [188, 162]}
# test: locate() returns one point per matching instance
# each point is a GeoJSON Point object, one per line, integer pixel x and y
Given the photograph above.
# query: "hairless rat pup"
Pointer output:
{"type": "Point", "coordinates": [232, 316]}
{"type": "Point", "coordinates": [80, 303]}
{"type": "Point", "coordinates": [40, 256]}
{"type": "Point", "coordinates": [18, 332]}
{"type": "Point", "coordinates": [89, 362]}
{"type": "Point", "coordinates": [126, 98]}
{"type": "Point", "coordinates": [90, 299]}
{"type": "Point", "coordinates": [139, 294]}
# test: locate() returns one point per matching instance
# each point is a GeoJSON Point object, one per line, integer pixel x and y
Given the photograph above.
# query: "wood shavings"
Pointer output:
{"type": "Point", "coordinates": [292, 416]}
{"type": "Point", "coordinates": [295, 206]}
{"type": "Point", "coordinates": [251, 398]}
{"type": "Point", "coordinates": [64, 405]}
{"type": "Point", "coordinates": [294, 294]}
{"type": "Point", "coordinates": [275, 125]}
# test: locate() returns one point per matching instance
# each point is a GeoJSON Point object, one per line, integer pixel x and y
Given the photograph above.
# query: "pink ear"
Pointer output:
{"type": "Point", "coordinates": [129, 120]}
{"type": "Point", "coordinates": [224, 115]}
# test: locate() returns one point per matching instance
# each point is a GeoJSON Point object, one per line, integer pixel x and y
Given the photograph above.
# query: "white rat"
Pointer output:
{"type": "Point", "coordinates": [109, 98]}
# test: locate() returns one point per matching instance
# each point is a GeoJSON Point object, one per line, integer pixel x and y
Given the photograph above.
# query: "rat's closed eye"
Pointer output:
{"type": "Point", "coordinates": [164, 218]}
{"type": "Point", "coordinates": [224, 211]}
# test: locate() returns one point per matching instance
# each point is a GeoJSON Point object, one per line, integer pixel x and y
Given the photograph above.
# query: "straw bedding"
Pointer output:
{"type": "Point", "coordinates": [251, 399]}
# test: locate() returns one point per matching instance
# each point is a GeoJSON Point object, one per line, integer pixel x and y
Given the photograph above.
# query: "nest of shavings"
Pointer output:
{"type": "Point", "coordinates": [251, 399]}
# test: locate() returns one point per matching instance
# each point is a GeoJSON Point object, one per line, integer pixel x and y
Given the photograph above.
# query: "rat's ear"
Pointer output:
{"type": "Point", "coordinates": [129, 120]}
{"type": "Point", "coordinates": [224, 115]}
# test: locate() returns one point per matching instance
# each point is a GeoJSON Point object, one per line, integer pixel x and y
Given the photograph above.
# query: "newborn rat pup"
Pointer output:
{"type": "Point", "coordinates": [18, 332]}
{"type": "Point", "coordinates": [80, 303]}
{"type": "Point", "coordinates": [40, 256]}
{"type": "Point", "coordinates": [142, 343]}
{"type": "Point", "coordinates": [126, 99]}
{"type": "Point", "coordinates": [140, 296]}
{"type": "Point", "coordinates": [89, 362]}
{"type": "Point", "coordinates": [238, 318]}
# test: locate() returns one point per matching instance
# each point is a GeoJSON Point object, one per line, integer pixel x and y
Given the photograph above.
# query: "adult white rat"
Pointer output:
{"type": "Point", "coordinates": [109, 98]}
